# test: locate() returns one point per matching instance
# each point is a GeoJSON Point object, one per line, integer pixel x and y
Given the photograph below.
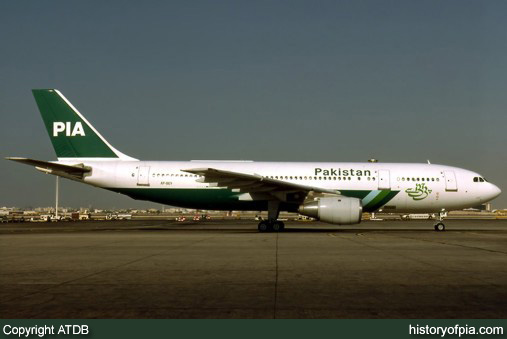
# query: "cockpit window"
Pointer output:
{"type": "Point", "coordinates": [479, 179]}
{"type": "Point", "coordinates": [476, 179]}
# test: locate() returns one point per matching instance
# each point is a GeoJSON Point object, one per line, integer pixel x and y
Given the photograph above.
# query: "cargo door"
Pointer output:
{"type": "Point", "coordinates": [384, 181]}
{"type": "Point", "coordinates": [143, 176]}
{"type": "Point", "coordinates": [450, 181]}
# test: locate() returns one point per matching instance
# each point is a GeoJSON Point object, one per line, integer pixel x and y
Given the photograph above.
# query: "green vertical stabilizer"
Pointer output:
{"type": "Point", "coordinates": [71, 134]}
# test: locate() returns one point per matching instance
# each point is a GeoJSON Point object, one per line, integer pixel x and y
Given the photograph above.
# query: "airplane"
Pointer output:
{"type": "Point", "coordinates": [332, 192]}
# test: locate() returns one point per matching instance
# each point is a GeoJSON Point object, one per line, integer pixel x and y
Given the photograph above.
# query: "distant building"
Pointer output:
{"type": "Point", "coordinates": [483, 208]}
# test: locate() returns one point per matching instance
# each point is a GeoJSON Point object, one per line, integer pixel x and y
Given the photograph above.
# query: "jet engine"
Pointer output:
{"type": "Point", "coordinates": [334, 210]}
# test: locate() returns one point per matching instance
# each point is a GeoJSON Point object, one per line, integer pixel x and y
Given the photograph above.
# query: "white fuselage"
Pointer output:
{"type": "Point", "coordinates": [394, 187]}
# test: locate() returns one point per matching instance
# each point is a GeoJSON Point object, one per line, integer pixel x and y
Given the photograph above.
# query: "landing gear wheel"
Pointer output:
{"type": "Point", "coordinates": [263, 226]}
{"type": "Point", "coordinates": [439, 227]}
{"type": "Point", "coordinates": [278, 226]}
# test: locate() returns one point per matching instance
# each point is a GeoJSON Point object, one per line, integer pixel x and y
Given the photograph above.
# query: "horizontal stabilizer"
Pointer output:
{"type": "Point", "coordinates": [54, 168]}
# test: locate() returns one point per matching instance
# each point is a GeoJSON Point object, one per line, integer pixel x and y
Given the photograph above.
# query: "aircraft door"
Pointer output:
{"type": "Point", "coordinates": [450, 181]}
{"type": "Point", "coordinates": [143, 176]}
{"type": "Point", "coordinates": [384, 180]}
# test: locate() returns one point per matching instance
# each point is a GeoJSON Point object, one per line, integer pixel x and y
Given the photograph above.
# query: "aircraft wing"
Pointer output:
{"type": "Point", "coordinates": [76, 171]}
{"type": "Point", "coordinates": [252, 183]}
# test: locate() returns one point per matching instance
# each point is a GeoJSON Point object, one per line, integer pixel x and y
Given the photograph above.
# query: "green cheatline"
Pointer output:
{"type": "Point", "coordinates": [225, 199]}
{"type": "Point", "coordinates": [380, 196]}
{"type": "Point", "coordinates": [380, 200]}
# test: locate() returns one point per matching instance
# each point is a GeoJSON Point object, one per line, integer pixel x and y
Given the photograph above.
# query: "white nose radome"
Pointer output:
{"type": "Point", "coordinates": [495, 191]}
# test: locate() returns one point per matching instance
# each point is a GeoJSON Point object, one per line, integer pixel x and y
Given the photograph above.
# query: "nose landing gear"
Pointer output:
{"type": "Point", "coordinates": [439, 226]}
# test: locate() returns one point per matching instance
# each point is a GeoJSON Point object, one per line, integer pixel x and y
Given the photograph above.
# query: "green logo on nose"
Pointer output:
{"type": "Point", "coordinates": [420, 192]}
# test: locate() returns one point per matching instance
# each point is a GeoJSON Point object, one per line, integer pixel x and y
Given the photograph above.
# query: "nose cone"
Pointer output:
{"type": "Point", "coordinates": [494, 192]}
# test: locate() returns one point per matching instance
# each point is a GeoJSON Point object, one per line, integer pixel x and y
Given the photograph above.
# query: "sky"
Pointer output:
{"type": "Point", "coordinates": [399, 81]}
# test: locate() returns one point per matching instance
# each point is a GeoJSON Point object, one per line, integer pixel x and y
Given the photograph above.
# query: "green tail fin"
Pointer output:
{"type": "Point", "coordinates": [71, 134]}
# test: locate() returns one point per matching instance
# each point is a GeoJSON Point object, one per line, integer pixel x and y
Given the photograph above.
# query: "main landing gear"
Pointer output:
{"type": "Point", "coordinates": [272, 224]}
{"type": "Point", "coordinates": [439, 226]}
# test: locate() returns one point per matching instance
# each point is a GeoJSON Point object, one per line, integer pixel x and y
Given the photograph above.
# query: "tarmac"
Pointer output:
{"type": "Point", "coordinates": [226, 269]}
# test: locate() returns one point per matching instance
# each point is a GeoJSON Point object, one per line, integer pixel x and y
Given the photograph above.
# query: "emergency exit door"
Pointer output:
{"type": "Point", "coordinates": [450, 181]}
{"type": "Point", "coordinates": [384, 180]}
{"type": "Point", "coordinates": [143, 176]}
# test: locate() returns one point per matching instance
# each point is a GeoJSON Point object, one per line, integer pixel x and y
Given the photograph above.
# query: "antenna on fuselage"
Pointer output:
{"type": "Point", "coordinates": [429, 163]}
